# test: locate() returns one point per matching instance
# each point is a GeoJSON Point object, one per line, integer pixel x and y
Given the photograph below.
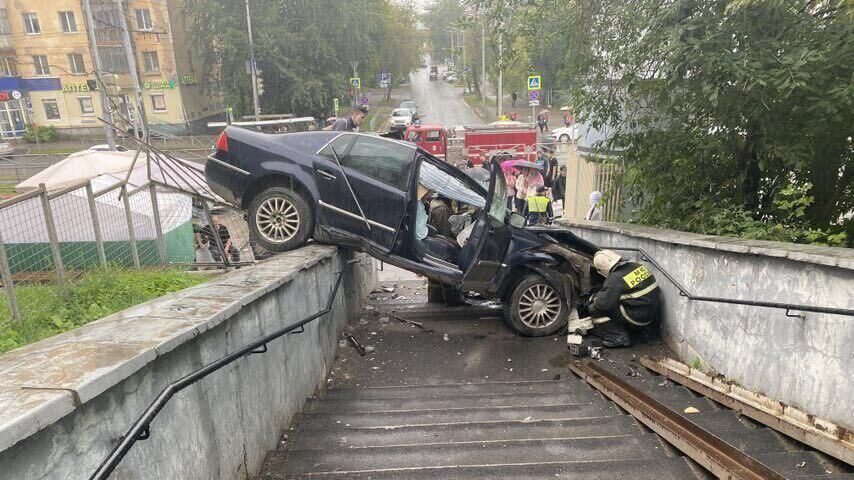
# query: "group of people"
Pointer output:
{"type": "Point", "coordinates": [532, 191]}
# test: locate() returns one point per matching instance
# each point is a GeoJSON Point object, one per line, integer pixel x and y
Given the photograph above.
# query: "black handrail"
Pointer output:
{"type": "Point", "coordinates": [752, 303]}
{"type": "Point", "coordinates": [140, 429]}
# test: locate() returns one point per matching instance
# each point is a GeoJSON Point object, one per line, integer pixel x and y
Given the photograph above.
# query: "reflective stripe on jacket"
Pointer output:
{"type": "Point", "coordinates": [538, 204]}
{"type": "Point", "coordinates": [629, 293]}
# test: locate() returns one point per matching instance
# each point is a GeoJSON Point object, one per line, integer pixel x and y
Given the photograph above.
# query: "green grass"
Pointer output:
{"type": "Point", "coordinates": [7, 189]}
{"type": "Point", "coordinates": [47, 311]}
{"type": "Point", "coordinates": [472, 99]}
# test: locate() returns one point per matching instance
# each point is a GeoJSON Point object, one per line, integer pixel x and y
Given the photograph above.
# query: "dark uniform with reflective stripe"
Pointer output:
{"type": "Point", "coordinates": [629, 294]}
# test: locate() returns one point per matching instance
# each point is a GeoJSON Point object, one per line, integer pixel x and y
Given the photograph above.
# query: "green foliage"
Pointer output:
{"type": "Point", "coordinates": [46, 311]}
{"type": "Point", "coordinates": [45, 134]}
{"type": "Point", "coordinates": [305, 49]}
{"type": "Point", "coordinates": [732, 117]}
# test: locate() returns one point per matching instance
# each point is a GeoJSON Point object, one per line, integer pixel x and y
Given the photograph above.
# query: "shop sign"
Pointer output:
{"type": "Point", "coordinates": [171, 83]}
{"type": "Point", "coordinates": [75, 88]}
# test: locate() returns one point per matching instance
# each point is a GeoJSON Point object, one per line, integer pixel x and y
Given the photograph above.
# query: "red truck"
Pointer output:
{"type": "Point", "coordinates": [519, 139]}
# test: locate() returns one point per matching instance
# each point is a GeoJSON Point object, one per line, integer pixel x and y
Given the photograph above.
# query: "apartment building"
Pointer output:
{"type": "Point", "coordinates": [47, 72]}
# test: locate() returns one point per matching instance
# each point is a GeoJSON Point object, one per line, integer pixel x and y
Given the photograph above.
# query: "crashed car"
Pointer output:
{"type": "Point", "coordinates": [366, 191]}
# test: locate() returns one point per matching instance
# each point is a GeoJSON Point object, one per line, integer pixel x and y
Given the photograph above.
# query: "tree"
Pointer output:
{"type": "Point", "coordinates": [733, 116]}
{"type": "Point", "coordinates": [305, 48]}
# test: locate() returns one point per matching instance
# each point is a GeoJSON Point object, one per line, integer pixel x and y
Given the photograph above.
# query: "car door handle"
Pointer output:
{"type": "Point", "coordinates": [326, 175]}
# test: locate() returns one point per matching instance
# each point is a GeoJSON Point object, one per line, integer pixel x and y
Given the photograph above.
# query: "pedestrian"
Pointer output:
{"type": "Point", "coordinates": [559, 187]}
{"type": "Point", "coordinates": [538, 207]}
{"type": "Point", "coordinates": [351, 123]}
{"type": "Point", "coordinates": [528, 179]}
{"type": "Point", "coordinates": [595, 212]}
{"type": "Point", "coordinates": [542, 160]}
{"type": "Point", "coordinates": [546, 114]}
{"type": "Point", "coordinates": [541, 122]}
{"type": "Point", "coordinates": [629, 297]}
{"type": "Point", "coordinates": [514, 96]}
{"type": "Point", "coordinates": [510, 175]}
{"type": "Point", "coordinates": [550, 168]}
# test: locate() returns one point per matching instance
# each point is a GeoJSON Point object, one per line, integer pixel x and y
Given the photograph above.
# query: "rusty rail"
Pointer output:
{"type": "Point", "coordinates": [820, 434]}
{"type": "Point", "coordinates": [713, 453]}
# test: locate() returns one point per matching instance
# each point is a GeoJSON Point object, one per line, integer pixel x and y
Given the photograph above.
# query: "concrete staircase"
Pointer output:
{"type": "Point", "coordinates": [532, 430]}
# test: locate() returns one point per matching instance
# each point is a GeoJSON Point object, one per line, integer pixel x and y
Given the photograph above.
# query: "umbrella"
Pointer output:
{"type": "Point", "coordinates": [508, 164]}
{"type": "Point", "coordinates": [522, 164]}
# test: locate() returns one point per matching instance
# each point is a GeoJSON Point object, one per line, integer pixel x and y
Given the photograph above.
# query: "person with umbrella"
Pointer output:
{"type": "Point", "coordinates": [529, 178]}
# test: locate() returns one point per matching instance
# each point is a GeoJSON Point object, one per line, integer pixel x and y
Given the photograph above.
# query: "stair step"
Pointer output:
{"type": "Point", "coordinates": [751, 440]}
{"type": "Point", "coordinates": [463, 432]}
{"type": "Point", "coordinates": [474, 389]}
{"type": "Point", "coordinates": [322, 421]}
{"type": "Point", "coordinates": [668, 468]}
{"type": "Point", "coordinates": [575, 397]}
{"type": "Point", "coordinates": [638, 446]}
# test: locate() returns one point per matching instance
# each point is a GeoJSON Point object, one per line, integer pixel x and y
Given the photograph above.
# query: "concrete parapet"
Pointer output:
{"type": "Point", "coordinates": [806, 362]}
{"type": "Point", "coordinates": [66, 400]}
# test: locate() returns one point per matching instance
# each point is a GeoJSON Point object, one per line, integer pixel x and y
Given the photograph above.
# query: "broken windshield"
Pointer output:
{"type": "Point", "coordinates": [498, 208]}
{"type": "Point", "coordinates": [442, 183]}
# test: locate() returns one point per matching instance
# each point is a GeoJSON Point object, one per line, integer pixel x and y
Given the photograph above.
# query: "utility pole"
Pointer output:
{"type": "Point", "coordinates": [500, 102]}
{"type": "Point", "coordinates": [483, 59]}
{"type": "Point", "coordinates": [132, 66]}
{"type": "Point", "coordinates": [356, 91]}
{"type": "Point", "coordinates": [252, 67]}
{"type": "Point", "coordinates": [96, 61]}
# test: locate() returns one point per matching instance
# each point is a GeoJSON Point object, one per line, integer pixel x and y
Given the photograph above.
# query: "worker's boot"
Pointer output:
{"type": "Point", "coordinates": [612, 334]}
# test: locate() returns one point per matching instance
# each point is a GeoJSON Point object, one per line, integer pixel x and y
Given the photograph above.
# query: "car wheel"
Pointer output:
{"type": "Point", "coordinates": [280, 219]}
{"type": "Point", "coordinates": [564, 138]}
{"type": "Point", "coordinates": [535, 307]}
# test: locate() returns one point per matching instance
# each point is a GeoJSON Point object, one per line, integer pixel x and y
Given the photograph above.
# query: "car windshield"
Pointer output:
{"type": "Point", "coordinates": [400, 112]}
{"type": "Point", "coordinates": [498, 208]}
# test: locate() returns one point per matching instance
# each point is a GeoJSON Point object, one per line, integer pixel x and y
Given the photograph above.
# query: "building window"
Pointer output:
{"type": "Point", "coordinates": [31, 24]}
{"type": "Point", "coordinates": [51, 109]}
{"type": "Point", "coordinates": [67, 22]}
{"type": "Point", "coordinates": [8, 67]}
{"type": "Point", "coordinates": [86, 106]}
{"type": "Point", "coordinates": [150, 62]}
{"type": "Point", "coordinates": [4, 23]}
{"type": "Point", "coordinates": [158, 102]}
{"type": "Point", "coordinates": [113, 59]}
{"type": "Point", "coordinates": [107, 22]}
{"type": "Point", "coordinates": [40, 65]}
{"type": "Point", "coordinates": [143, 19]}
{"type": "Point", "coordinates": [75, 60]}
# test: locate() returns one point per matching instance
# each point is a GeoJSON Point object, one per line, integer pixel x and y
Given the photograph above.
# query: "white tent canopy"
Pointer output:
{"type": "Point", "coordinates": [77, 168]}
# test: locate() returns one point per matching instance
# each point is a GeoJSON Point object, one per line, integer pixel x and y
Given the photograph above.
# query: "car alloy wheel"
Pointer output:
{"type": "Point", "coordinates": [277, 219]}
{"type": "Point", "coordinates": [564, 138]}
{"type": "Point", "coordinates": [540, 306]}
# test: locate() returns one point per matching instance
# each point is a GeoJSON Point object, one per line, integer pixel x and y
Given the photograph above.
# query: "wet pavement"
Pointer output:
{"type": "Point", "coordinates": [440, 101]}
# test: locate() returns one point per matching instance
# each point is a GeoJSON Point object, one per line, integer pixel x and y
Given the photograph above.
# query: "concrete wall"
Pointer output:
{"type": "Point", "coordinates": [807, 363]}
{"type": "Point", "coordinates": [66, 400]}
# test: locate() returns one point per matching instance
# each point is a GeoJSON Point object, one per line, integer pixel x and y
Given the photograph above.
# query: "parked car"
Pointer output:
{"type": "Point", "coordinates": [566, 134]}
{"type": "Point", "coordinates": [412, 106]}
{"type": "Point", "coordinates": [400, 118]}
{"type": "Point", "coordinates": [452, 77]}
{"type": "Point", "coordinates": [363, 191]}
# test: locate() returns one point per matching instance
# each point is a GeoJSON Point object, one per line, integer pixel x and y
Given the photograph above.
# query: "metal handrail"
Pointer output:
{"type": "Point", "coordinates": [752, 303]}
{"type": "Point", "coordinates": [140, 429]}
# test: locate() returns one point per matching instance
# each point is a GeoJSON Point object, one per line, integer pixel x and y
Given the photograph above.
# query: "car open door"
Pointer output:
{"type": "Point", "coordinates": [490, 237]}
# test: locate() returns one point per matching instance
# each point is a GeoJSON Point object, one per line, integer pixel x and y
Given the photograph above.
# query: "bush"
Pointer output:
{"type": "Point", "coordinates": [47, 311]}
{"type": "Point", "coordinates": [45, 134]}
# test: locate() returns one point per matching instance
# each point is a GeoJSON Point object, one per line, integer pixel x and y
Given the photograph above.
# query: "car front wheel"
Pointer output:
{"type": "Point", "coordinates": [564, 138]}
{"type": "Point", "coordinates": [280, 219]}
{"type": "Point", "coordinates": [535, 308]}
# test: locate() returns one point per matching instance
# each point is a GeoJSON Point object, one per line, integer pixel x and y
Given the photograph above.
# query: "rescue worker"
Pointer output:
{"type": "Point", "coordinates": [538, 207]}
{"type": "Point", "coordinates": [628, 297]}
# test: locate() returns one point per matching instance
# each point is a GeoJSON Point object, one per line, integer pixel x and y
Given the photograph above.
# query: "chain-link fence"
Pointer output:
{"type": "Point", "coordinates": [54, 237]}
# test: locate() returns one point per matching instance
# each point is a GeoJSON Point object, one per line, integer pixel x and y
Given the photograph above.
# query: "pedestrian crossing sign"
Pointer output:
{"type": "Point", "coordinates": [535, 82]}
{"type": "Point", "coordinates": [355, 82]}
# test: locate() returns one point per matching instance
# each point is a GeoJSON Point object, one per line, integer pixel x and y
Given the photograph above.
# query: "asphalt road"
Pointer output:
{"type": "Point", "coordinates": [439, 101]}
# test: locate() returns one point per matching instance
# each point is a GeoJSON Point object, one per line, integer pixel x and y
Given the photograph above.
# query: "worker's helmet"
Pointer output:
{"type": "Point", "coordinates": [604, 261]}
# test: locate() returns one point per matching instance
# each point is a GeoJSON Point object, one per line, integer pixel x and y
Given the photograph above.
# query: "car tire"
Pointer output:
{"type": "Point", "coordinates": [535, 308]}
{"type": "Point", "coordinates": [564, 138]}
{"type": "Point", "coordinates": [280, 219]}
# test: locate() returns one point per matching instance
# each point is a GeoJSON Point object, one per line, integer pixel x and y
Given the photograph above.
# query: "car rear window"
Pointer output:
{"type": "Point", "coordinates": [401, 112]}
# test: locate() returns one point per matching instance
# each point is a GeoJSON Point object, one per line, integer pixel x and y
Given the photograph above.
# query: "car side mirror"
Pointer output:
{"type": "Point", "coordinates": [517, 220]}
